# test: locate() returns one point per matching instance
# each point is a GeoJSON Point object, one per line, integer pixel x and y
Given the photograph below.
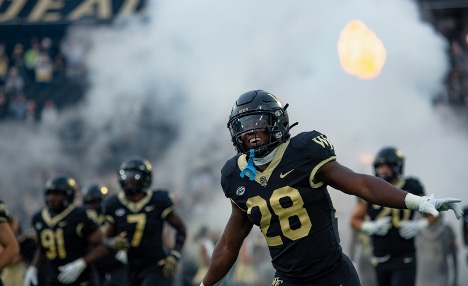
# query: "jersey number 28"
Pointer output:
{"type": "Point", "coordinates": [284, 213]}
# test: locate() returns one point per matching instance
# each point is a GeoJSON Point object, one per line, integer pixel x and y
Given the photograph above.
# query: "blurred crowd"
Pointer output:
{"type": "Point", "coordinates": [38, 77]}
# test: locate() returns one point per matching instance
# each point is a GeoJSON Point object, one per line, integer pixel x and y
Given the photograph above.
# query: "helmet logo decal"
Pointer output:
{"type": "Point", "coordinates": [240, 191]}
{"type": "Point", "coordinates": [243, 110]}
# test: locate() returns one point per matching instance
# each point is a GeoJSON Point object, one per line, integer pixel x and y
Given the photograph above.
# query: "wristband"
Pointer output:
{"type": "Point", "coordinates": [412, 202]}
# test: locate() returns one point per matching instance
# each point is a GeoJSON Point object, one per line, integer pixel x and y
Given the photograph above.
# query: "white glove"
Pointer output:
{"type": "Point", "coordinates": [30, 276]}
{"type": "Point", "coordinates": [431, 205]}
{"type": "Point", "coordinates": [409, 228]}
{"type": "Point", "coordinates": [377, 227]}
{"type": "Point", "coordinates": [122, 256]}
{"type": "Point", "coordinates": [71, 271]}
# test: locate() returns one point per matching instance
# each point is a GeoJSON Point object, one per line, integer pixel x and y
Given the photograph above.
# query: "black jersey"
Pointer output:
{"type": "Point", "coordinates": [142, 222]}
{"type": "Point", "coordinates": [4, 213]}
{"type": "Point", "coordinates": [291, 206]}
{"type": "Point", "coordinates": [63, 237]}
{"type": "Point", "coordinates": [392, 243]}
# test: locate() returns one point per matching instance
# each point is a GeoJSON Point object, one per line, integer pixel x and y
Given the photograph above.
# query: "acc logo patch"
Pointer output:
{"type": "Point", "coordinates": [120, 212]}
{"type": "Point", "coordinates": [263, 181]}
{"type": "Point", "coordinates": [240, 191]}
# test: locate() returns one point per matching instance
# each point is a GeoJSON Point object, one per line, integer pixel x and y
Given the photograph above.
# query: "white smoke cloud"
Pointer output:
{"type": "Point", "coordinates": [192, 59]}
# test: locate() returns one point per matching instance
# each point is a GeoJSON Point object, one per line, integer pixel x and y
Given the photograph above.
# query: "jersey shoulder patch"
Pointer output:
{"type": "Point", "coordinates": [314, 144]}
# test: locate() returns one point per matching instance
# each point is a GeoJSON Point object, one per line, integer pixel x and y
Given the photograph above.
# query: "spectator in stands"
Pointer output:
{"type": "Point", "coordinates": [18, 107]}
{"type": "Point", "coordinates": [4, 63]}
{"type": "Point", "coordinates": [437, 245]}
{"type": "Point", "coordinates": [3, 103]}
{"type": "Point", "coordinates": [49, 113]}
{"type": "Point", "coordinates": [14, 82]}
{"type": "Point", "coordinates": [205, 249]}
{"type": "Point", "coordinates": [31, 54]}
{"type": "Point", "coordinates": [17, 56]}
{"type": "Point", "coordinates": [43, 70]}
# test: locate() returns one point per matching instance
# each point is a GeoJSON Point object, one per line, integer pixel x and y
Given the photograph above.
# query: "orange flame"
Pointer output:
{"type": "Point", "coordinates": [361, 52]}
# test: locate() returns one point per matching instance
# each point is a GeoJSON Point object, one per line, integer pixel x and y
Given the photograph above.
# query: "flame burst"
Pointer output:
{"type": "Point", "coordinates": [361, 52]}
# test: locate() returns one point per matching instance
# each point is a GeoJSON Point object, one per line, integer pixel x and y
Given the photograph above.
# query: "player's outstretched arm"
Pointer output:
{"type": "Point", "coordinates": [227, 249]}
{"type": "Point", "coordinates": [377, 191]}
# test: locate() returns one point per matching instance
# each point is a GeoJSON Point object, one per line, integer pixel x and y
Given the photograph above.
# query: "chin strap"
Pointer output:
{"type": "Point", "coordinates": [266, 159]}
{"type": "Point", "coordinates": [249, 167]}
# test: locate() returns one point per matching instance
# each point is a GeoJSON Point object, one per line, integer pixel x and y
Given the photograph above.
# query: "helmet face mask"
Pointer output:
{"type": "Point", "coordinates": [60, 192]}
{"type": "Point", "coordinates": [258, 112]}
{"type": "Point", "coordinates": [135, 176]}
{"type": "Point", "coordinates": [394, 159]}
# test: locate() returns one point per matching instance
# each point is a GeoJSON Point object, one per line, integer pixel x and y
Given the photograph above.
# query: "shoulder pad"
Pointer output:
{"type": "Point", "coordinates": [303, 139]}
{"type": "Point", "coordinates": [414, 186]}
{"type": "Point", "coordinates": [230, 166]}
{"type": "Point", "coordinates": [313, 144]}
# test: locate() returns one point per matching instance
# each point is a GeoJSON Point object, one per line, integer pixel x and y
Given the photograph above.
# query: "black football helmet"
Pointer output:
{"type": "Point", "coordinates": [264, 109]}
{"type": "Point", "coordinates": [394, 158]}
{"type": "Point", "coordinates": [135, 175]}
{"type": "Point", "coordinates": [63, 184]}
{"type": "Point", "coordinates": [93, 193]}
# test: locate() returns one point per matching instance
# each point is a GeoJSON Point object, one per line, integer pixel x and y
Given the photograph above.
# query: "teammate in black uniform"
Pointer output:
{"type": "Point", "coordinates": [68, 237]}
{"type": "Point", "coordinates": [280, 184]}
{"type": "Point", "coordinates": [8, 242]}
{"type": "Point", "coordinates": [465, 229]}
{"type": "Point", "coordinates": [139, 213]}
{"type": "Point", "coordinates": [392, 230]}
{"type": "Point", "coordinates": [111, 270]}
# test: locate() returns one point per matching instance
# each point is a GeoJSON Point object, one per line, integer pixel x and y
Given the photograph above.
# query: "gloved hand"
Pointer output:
{"type": "Point", "coordinates": [170, 263]}
{"type": "Point", "coordinates": [377, 227]}
{"type": "Point", "coordinates": [409, 228]}
{"type": "Point", "coordinates": [119, 242]}
{"type": "Point", "coordinates": [433, 206]}
{"type": "Point", "coordinates": [71, 271]}
{"type": "Point", "coordinates": [30, 276]}
{"type": "Point", "coordinates": [121, 256]}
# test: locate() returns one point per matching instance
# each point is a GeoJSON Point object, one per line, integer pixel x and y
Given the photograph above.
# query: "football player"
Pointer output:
{"type": "Point", "coordinates": [68, 237]}
{"type": "Point", "coordinates": [139, 213]}
{"type": "Point", "coordinates": [280, 184]}
{"type": "Point", "coordinates": [111, 270]}
{"type": "Point", "coordinates": [392, 230]}
{"type": "Point", "coordinates": [8, 243]}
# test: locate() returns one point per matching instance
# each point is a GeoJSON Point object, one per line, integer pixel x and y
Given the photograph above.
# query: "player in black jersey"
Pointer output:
{"type": "Point", "coordinates": [8, 243]}
{"type": "Point", "coordinates": [392, 230]}
{"type": "Point", "coordinates": [465, 229]}
{"type": "Point", "coordinates": [280, 184]}
{"type": "Point", "coordinates": [139, 214]}
{"type": "Point", "coordinates": [68, 237]}
{"type": "Point", "coordinates": [111, 270]}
